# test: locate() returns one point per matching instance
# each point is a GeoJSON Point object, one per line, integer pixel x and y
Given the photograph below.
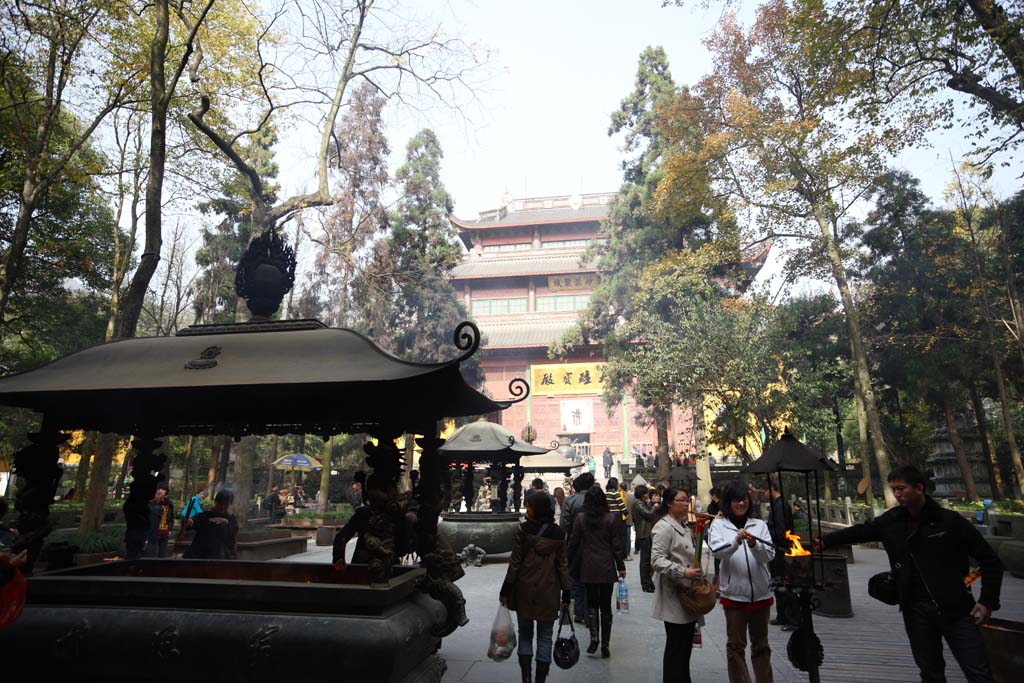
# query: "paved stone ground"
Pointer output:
{"type": "Point", "coordinates": [871, 646]}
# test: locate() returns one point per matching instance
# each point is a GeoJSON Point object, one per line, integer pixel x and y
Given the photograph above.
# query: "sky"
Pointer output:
{"type": "Point", "coordinates": [560, 67]}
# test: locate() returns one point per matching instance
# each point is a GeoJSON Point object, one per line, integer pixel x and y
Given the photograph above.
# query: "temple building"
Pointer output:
{"type": "Point", "coordinates": [524, 282]}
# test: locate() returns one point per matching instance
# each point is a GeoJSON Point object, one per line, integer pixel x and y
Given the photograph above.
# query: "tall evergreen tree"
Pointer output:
{"type": "Point", "coordinates": [407, 302]}
{"type": "Point", "coordinates": [358, 216]}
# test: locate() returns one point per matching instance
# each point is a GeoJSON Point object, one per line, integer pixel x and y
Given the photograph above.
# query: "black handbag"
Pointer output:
{"type": "Point", "coordinates": [567, 650]}
{"type": "Point", "coordinates": [884, 587]}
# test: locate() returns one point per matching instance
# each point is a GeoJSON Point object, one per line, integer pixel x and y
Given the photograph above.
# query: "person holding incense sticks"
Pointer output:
{"type": "Point", "coordinates": [744, 546]}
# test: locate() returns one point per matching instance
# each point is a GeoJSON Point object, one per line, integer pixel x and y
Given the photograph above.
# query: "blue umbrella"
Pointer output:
{"type": "Point", "coordinates": [297, 461]}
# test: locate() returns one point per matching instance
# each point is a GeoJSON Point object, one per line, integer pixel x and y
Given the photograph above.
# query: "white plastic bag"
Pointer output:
{"type": "Point", "coordinates": [503, 636]}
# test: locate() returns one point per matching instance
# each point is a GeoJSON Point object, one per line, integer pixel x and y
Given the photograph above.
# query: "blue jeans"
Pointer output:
{"type": "Point", "coordinates": [579, 599]}
{"type": "Point", "coordinates": [544, 642]}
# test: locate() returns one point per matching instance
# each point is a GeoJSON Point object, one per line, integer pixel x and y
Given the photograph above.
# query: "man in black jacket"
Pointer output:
{"type": "Point", "coordinates": [929, 549]}
{"type": "Point", "coordinates": [780, 520]}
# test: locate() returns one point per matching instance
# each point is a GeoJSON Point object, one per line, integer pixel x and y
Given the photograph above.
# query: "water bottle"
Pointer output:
{"type": "Point", "coordinates": [622, 599]}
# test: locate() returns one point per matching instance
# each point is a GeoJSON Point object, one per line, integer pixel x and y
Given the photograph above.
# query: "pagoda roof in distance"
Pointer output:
{"type": "Point", "coordinates": [575, 208]}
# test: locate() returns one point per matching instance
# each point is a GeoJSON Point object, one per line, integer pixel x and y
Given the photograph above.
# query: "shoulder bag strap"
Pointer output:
{"type": "Point", "coordinates": [532, 540]}
{"type": "Point", "coordinates": [564, 619]}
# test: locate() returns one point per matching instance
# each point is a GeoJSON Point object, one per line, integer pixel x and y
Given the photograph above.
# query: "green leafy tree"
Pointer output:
{"type": "Point", "coordinates": [908, 64]}
{"type": "Point", "coordinates": [920, 303]}
{"type": "Point", "coordinates": [770, 147]}
{"type": "Point", "coordinates": [61, 75]}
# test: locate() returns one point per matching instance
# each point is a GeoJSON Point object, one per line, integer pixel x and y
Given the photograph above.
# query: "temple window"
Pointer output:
{"type": "Point", "coordinates": [562, 303]}
{"type": "Point", "coordinates": [518, 246]}
{"type": "Point", "coordinates": [499, 306]}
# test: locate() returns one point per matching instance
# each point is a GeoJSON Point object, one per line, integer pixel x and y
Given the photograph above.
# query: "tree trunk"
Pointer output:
{"type": "Point", "coordinates": [211, 474]}
{"type": "Point", "coordinates": [10, 263]}
{"type": "Point", "coordinates": [270, 463]}
{"type": "Point", "coordinates": [96, 496]}
{"type": "Point", "coordinates": [86, 450]}
{"type": "Point", "coordinates": [840, 447]}
{"type": "Point", "coordinates": [136, 295]}
{"type": "Point", "coordinates": [123, 252]}
{"type": "Point", "coordinates": [862, 446]}
{"type": "Point", "coordinates": [125, 469]}
{"type": "Point", "coordinates": [958, 448]}
{"type": "Point", "coordinates": [987, 447]}
{"type": "Point", "coordinates": [325, 476]}
{"type": "Point", "coordinates": [223, 461]}
{"type": "Point", "coordinates": [186, 477]}
{"type": "Point", "coordinates": [860, 359]}
{"type": "Point", "coordinates": [1004, 401]}
{"type": "Point", "coordinates": [405, 479]}
{"type": "Point", "coordinates": [700, 442]}
{"type": "Point", "coordinates": [661, 427]}
{"type": "Point", "coordinates": [245, 458]}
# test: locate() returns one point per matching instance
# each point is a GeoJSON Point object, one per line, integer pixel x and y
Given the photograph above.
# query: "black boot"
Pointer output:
{"type": "Point", "coordinates": [525, 662]}
{"type": "Point", "coordinates": [542, 671]}
{"type": "Point", "coordinates": [606, 634]}
{"type": "Point", "coordinates": [593, 624]}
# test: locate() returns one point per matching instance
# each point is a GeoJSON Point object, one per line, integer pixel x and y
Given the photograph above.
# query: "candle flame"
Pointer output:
{"type": "Point", "coordinates": [796, 548]}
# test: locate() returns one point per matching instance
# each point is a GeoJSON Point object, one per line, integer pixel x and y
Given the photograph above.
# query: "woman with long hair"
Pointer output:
{"type": "Point", "coordinates": [744, 546]}
{"type": "Point", "coordinates": [672, 558]}
{"type": "Point", "coordinates": [559, 494]}
{"type": "Point", "coordinates": [537, 576]}
{"type": "Point", "coordinates": [596, 550]}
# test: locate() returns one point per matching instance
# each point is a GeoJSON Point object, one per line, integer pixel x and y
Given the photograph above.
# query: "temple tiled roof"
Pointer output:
{"type": "Point", "coordinates": [510, 266]}
{"type": "Point", "coordinates": [516, 332]}
{"type": "Point", "coordinates": [505, 219]}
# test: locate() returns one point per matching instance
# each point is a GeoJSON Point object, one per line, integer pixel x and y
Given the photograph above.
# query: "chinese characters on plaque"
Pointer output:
{"type": "Point", "coordinates": [573, 282]}
{"type": "Point", "coordinates": [568, 378]}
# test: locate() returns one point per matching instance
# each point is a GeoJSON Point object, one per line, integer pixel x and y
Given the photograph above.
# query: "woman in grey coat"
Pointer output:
{"type": "Point", "coordinates": [672, 557]}
{"type": "Point", "coordinates": [596, 557]}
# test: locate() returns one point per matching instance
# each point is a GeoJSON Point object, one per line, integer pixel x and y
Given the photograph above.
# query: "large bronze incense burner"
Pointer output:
{"type": "Point", "coordinates": [241, 621]}
{"type": "Point", "coordinates": [232, 621]}
{"type": "Point", "coordinates": [492, 529]}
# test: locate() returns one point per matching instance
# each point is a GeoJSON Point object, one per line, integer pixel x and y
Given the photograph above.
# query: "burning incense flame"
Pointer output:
{"type": "Point", "coordinates": [972, 577]}
{"type": "Point", "coordinates": [796, 549]}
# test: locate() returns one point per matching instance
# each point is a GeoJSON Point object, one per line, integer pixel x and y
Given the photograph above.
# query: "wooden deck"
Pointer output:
{"type": "Point", "coordinates": [872, 646]}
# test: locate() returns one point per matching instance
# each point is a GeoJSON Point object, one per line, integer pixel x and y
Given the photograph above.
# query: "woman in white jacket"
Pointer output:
{"type": "Point", "coordinates": [744, 546]}
{"type": "Point", "coordinates": [672, 553]}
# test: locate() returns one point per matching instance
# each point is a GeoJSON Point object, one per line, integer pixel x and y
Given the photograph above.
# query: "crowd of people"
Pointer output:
{"type": "Point", "coordinates": [573, 552]}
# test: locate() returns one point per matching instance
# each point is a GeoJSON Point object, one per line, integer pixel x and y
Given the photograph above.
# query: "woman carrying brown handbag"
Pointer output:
{"type": "Point", "coordinates": [672, 559]}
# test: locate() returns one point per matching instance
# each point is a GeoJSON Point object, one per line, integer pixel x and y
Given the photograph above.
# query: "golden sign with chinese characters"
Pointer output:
{"type": "Point", "coordinates": [565, 283]}
{"type": "Point", "coordinates": [567, 378]}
